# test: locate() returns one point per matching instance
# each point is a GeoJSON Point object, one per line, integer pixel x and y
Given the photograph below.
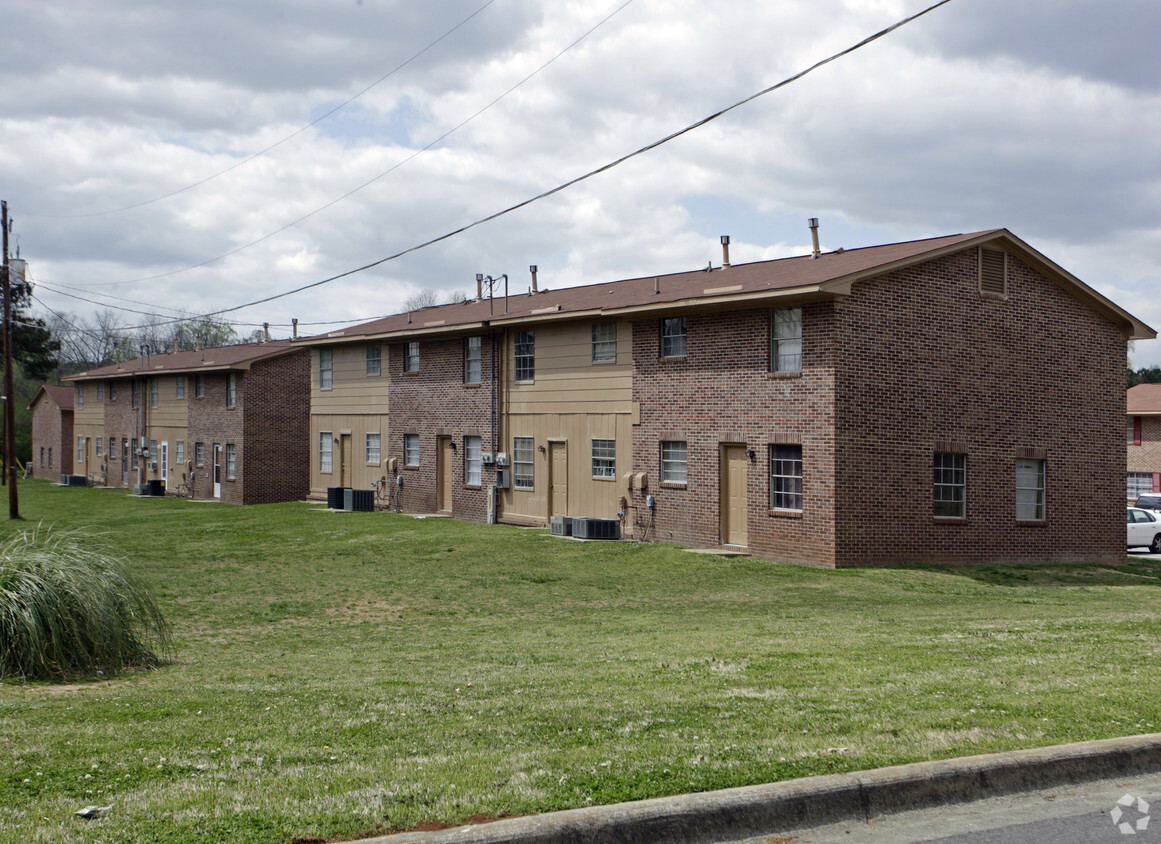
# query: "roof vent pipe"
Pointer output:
{"type": "Point", "coordinates": [725, 251]}
{"type": "Point", "coordinates": [294, 323]}
{"type": "Point", "coordinates": [532, 269]}
{"type": "Point", "coordinates": [266, 332]}
{"type": "Point", "coordinates": [813, 223]}
{"type": "Point", "coordinates": [479, 286]}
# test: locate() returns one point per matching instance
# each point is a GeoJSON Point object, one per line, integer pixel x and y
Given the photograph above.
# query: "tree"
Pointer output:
{"type": "Point", "coordinates": [33, 346]}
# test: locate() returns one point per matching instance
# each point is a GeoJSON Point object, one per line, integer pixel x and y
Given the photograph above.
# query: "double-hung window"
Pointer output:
{"type": "Point", "coordinates": [100, 390]}
{"type": "Point", "coordinates": [200, 453]}
{"type": "Point", "coordinates": [674, 462]}
{"type": "Point", "coordinates": [786, 340]}
{"type": "Point", "coordinates": [786, 477]}
{"type": "Point", "coordinates": [473, 461]}
{"type": "Point", "coordinates": [180, 387]}
{"type": "Point", "coordinates": [325, 452]}
{"type": "Point", "coordinates": [326, 368]}
{"type": "Point", "coordinates": [80, 449]}
{"type": "Point", "coordinates": [473, 359]}
{"type": "Point", "coordinates": [1030, 490]}
{"type": "Point", "coordinates": [199, 386]}
{"type": "Point", "coordinates": [604, 458]}
{"type": "Point", "coordinates": [113, 391]}
{"type": "Point", "coordinates": [180, 452]}
{"type": "Point", "coordinates": [153, 392]}
{"type": "Point", "coordinates": [673, 337]}
{"type": "Point", "coordinates": [411, 449]}
{"type": "Point", "coordinates": [522, 465]}
{"type": "Point", "coordinates": [231, 460]}
{"type": "Point", "coordinates": [950, 485]}
{"type": "Point", "coordinates": [232, 390]}
{"type": "Point", "coordinates": [411, 356]}
{"type": "Point", "coordinates": [100, 443]}
{"type": "Point", "coordinates": [80, 397]}
{"type": "Point", "coordinates": [605, 342]}
{"type": "Point", "coordinates": [525, 354]}
{"type": "Point", "coordinates": [373, 449]}
{"type": "Point", "coordinates": [374, 359]}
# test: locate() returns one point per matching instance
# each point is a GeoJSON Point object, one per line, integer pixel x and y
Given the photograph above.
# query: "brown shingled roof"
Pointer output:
{"type": "Point", "coordinates": [62, 396]}
{"type": "Point", "coordinates": [206, 360]}
{"type": "Point", "coordinates": [804, 277]}
{"type": "Point", "coordinates": [1144, 400]}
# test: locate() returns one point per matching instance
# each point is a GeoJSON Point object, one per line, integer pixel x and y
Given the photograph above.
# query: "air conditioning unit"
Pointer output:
{"type": "Point", "coordinates": [596, 528]}
{"type": "Point", "coordinates": [501, 458]}
{"type": "Point", "coordinates": [359, 500]}
{"type": "Point", "coordinates": [487, 458]}
{"type": "Point", "coordinates": [561, 525]}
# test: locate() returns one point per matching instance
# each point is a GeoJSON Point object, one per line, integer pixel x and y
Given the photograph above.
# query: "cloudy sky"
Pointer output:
{"type": "Point", "coordinates": [164, 156]}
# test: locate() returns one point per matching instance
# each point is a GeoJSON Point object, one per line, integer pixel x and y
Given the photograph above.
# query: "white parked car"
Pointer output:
{"type": "Point", "coordinates": [1144, 529]}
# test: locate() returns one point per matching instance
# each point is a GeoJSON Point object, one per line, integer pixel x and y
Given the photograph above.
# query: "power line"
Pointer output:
{"type": "Point", "coordinates": [386, 172]}
{"type": "Point", "coordinates": [276, 144]}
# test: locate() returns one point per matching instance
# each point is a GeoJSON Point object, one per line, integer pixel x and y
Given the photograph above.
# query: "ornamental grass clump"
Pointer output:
{"type": "Point", "coordinates": [67, 609]}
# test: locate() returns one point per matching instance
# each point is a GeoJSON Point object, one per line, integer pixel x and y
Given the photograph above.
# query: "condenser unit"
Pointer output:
{"type": "Point", "coordinates": [561, 525]}
{"type": "Point", "coordinates": [359, 500]}
{"type": "Point", "coordinates": [596, 528]}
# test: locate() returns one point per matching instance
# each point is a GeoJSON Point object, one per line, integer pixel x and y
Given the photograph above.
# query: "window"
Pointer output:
{"type": "Point", "coordinates": [373, 452]}
{"type": "Point", "coordinates": [473, 359]}
{"type": "Point", "coordinates": [200, 454]}
{"type": "Point", "coordinates": [153, 392]}
{"type": "Point", "coordinates": [374, 360]}
{"type": "Point", "coordinates": [232, 390]}
{"type": "Point", "coordinates": [604, 458]}
{"type": "Point", "coordinates": [50, 458]}
{"type": "Point", "coordinates": [674, 462]}
{"type": "Point", "coordinates": [473, 461]}
{"type": "Point", "coordinates": [522, 466]}
{"type": "Point", "coordinates": [153, 454]}
{"type": "Point", "coordinates": [411, 449]}
{"type": "Point", "coordinates": [179, 452]}
{"type": "Point", "coordinates": [113, 392]}
{"type": "Point", "coordinates": [100, 444]}
{"type": "Point", "coordinates": [950, 476]}
{"type": "Point", "coordinates": [325, 443]}
{"type": "Point", "coordinates": [80, 397]}
{"type": "Point", "coordinates": [786, 340]}
{"type": "Point", "coordinates": [605, 342]}
{"type": "Point", "coordinates": [1140, 483]}
{"type": "Point", "coordinates": [525, 350]}
{"type": "Point", "coordinates": [326, 364]}
{"type": "Point", "coordinates": [786, 477]}
{"type": "Point", "coordinates": [200, 386]}
{"type": "Point", "coordinates": [1030, 490]}
{"type": "Point", "coordinates": [1134, 430]}
{"type": "Point", "coordinates": [179, 387]}
{"type": "Point", "coordinates": [100, 391]}
{"type": "Point", "coordinates": [411, 356]}
{"type": "Point", "coordinates": [231, 460]}
{"type": "Point", "coordinates": [135, 398]}
{"type": "Point", "coordinates": [673, 332]}
{"type": "Point", "coordinates": [42, 457]}
{"type": "Point", "coordinates": [80, 449]}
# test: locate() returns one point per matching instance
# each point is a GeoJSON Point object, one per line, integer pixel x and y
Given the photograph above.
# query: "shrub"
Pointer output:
{"type": "Point", "coordinates": [67, 609]}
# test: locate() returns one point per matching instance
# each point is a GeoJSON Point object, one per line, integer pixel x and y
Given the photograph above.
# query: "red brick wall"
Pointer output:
{"type": "Point", "coordinates": [211, 421]}
{"type": "Point", "coordinates": [276, 459]}
{"type": "Point", "coordinates": [435, 402]}
{"type": "Point", "coordinates": [929, 363]}
{"type": "Point", "coordinates": [1146, 457]}
{"type": "Point", "coordinates": [121, 422]}
{"type": "Point", "coordinates": [52, 428]}
{"type": "Point", "coordinates": [723, 392]}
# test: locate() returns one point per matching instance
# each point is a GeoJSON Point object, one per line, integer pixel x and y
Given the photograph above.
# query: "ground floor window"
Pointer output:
{"type": "Point", "coordinates": [373, 450]}
{"type": "Point", "coordinates": [473, 461]}
{"type": "Point", "coordinates": [325, 445]}
{"type": "Point", "coordinates": [674, 462]}
{"type": "Point", "coordinates": [1030, 490]}
{"type": "Point", "coordinates": [411, 449]}
{"type": "Point", "coordinates": [80, 449]}
{"type": "Point", "coordinates": [231, 460]}
{"type": "Point", "coordinates": [200, 454]}
{"type": "Point", "coordinates": [1139, 483]}
{"type": "Point", "coordinates": [522, 465]}
{"type": "Point", "coordinates": [100, 446]}
{"type": "Point", "coordinates": [604, 458]}
{"type": "Point", "coordinates": [950, 480]}
{"type": "Point", "coordinates": [179, 452]}
{"type": "Point", "coordinates": [42, 457]}
{"type": "Point", "coordinates": [786, 477]}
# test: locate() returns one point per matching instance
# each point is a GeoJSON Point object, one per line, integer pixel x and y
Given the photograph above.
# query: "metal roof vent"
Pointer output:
{"type": "Point", "coordinates": [813, 223]}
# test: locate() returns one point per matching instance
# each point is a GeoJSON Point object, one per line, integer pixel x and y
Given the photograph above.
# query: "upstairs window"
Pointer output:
{"type": "Point", "coordinates": [525, 350]}
{"type": "Point", "coordinates": [80, 395]}
{"type": "Point", "coordinates": [673, 337]}
{"type": "Point", "coordinates": [411, 356]}
{"type": "Point", "coordinates": [179, 388]}
{"type": "Point", "coordinates": [786, 340]}
{"type": "Point", "coordinates": [113, 391]}
{"type": "Point", "coordinates": [153, 392]}
{"type": "Point", "coordinates": [326, 363]}
{"type": "Point", "coordinates": [605, 342]}
{"type": "Point", "coordinates": [100, 391]}
{"type": "Point", "coordinates": [200, 387]}
{"type": "Point", "coordinates": [374, 360]}
{"type": "Point", "coordinates": [1134, 430]}
{"type": "Point", "coordinates": [473, 359]}
{"type": "Point", "coordinates": [232, 390]}
{"type": "Point", "coordinates": [136, 393]}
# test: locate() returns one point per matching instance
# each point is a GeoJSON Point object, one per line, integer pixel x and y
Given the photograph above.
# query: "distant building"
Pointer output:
{"type": "Point", "coordinates": [1144, 439]}
{"type": "Point", "coordinates": [945, 400]}
{"type": "Point", "coordinates": [232, 422]}
{"type": "Point", "coordinates": [52, 431]}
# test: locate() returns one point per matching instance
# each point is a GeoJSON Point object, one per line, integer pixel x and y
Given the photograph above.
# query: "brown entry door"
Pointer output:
{"type": "Point", "coordinates": [735, 512]}
{"type": "Point", "coordinates": [445, 467]}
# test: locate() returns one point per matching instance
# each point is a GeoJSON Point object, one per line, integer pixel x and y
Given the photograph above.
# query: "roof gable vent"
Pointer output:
{"type": "Point", "coordinates": [993, 272]}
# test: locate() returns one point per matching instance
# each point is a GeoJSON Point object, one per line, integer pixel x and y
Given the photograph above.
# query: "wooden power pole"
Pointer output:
{"type": "Point", "coordinates": [9, 390]}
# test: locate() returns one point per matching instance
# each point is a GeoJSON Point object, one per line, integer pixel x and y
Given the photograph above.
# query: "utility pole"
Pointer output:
{"type": "Point", "coordinates": [9, 390]}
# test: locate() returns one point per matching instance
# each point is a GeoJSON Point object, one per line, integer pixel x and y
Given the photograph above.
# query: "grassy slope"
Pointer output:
{"type": "Point", "coordinates": [342, 674]}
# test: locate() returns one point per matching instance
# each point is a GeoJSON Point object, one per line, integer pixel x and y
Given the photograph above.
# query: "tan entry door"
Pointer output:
{"type": "Point", "coordinates": [734, 495]}
{"type": "Point", "coordinates": [445, 468]}
{"type": "Point", "coordinates": [345, 457]}
{"type": "Point", "coordinates": [558, 480]}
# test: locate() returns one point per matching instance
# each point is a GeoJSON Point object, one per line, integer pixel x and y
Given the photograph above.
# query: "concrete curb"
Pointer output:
{"type": "Point", "coordinates": [814, 801]}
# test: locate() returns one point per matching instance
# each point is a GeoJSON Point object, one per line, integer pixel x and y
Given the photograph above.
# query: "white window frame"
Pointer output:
{"type": "Point", "coordinates": [473, 359]}
{"type": "Point", "coordinates": [786, 340]}
{"type": "Point", "coordinates": [326, 369]}
{"type": "Point", "coordinates": [80, 449]}
{"type": "Point", "coordinates": [232, 390]}
{"type": "Point", "coordinates": [199, 454]}
{"type": "Point", "coordinates": [605, 342]}
{"type": "Point", "coordinates": [674, 461]}
{"type": "Point", "coordinates": [374, 359]}
{"type": "Point", "coordinates": [411, 454]}
{"type": "Point", "coordinates": [374, 443]}
{"type": "Point", "coordinates": [179, 452]}
{"type": "Point", "coordinates": [949, 485]}
{"type": "Point", "coordinates": [1139, 483]}
{"type": "Point", "coordinates": [179, 387]}
{"type": "Point", "coordinates": [153, 392]}
{"type": "Point", "coordinates": [411, 356]}
{"type": "Point", "coordinates": [473, 461]}
{"type": "Point", "coordinates": [231, 461]}
{"type": "Point", "coordinates": [523, 463]}
{"type": "Point", "coordinates": [326, 452]}
{"type": "Point", "coordinates": [100, 443]}
{"type": "Point", "coordinates": [1030, 497]}
{"type": "Point", "coordinates": [604, 458]}
{"type": "Point", "coordinates": [786, 487]}
{"type": "Point", "coordinates": [199, 386]}
{"type": "Point", "coordinates": [80, 397]}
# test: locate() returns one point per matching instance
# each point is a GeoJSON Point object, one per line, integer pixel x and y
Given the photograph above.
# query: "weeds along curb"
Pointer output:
{"type": "Point", "coordinates": [814, 801]}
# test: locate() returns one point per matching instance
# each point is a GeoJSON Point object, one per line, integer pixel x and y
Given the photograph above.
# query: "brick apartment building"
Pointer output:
{"type": "Point", "coordinates": [52, 430]}
{"type": "Point", "coordinates": [897, 403]}
{"type": "Point", "coordinates": [231, 422]}
{"type": "Point", "coordinates": [1144, 439]}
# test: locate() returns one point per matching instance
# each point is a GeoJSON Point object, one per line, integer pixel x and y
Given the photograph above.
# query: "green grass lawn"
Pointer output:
{"type": "Point", "coordinates": [340, 675]}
